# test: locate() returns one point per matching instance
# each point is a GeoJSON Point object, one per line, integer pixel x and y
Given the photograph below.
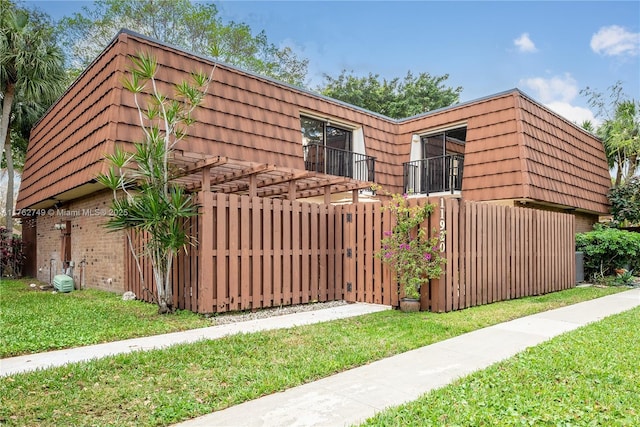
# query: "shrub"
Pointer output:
{"type": "Point", "coordinates": [624, 277]}
{"type": "Point", "coordinates": [606, 249]}
{"type": "Point", "coordinates": [12, 254]}
{"type": "Point", "coordinates": [625, 202]}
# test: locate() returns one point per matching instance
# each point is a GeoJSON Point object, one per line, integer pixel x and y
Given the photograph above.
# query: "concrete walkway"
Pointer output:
{"type": "Point", "coordinates": [353, 396]}
{"type": "Point", "coordinates": [32, 362]}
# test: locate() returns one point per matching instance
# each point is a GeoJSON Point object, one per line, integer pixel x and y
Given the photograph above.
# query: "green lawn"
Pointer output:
{"type": "Point", "coordinates": [33, 321]}
{"type": "Point", "coordinates": [166, 386]}
{"type": "Point", "coordinates": [588, 377]}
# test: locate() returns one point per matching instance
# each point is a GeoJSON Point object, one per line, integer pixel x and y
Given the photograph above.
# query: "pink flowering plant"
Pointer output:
{"type": "Point", "coordinates": [407, 249]}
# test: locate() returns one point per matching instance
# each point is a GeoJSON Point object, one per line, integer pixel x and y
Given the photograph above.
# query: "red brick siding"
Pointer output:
{"type": "Point", "coordinates": [102, 251]}
{"type": "Point", "coordinates": [585, 222]}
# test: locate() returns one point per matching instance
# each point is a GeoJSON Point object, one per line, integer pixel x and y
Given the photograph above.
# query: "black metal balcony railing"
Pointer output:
{"type": "Point", "coordinates": [334, 161]}
{"type": "Point", "coordinates": [434, 175]}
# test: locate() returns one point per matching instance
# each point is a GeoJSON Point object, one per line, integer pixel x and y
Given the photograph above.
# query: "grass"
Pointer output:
{"type": "Point", "coordinates": [33, 321]}
{"type": "Point", "coordinates": [166, 386]}
{"type": "Point", "coordinates": [588, 377]}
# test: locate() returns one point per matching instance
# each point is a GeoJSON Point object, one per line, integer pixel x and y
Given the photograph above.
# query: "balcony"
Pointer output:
{"type": "Point", "coordinates": [442, 174]}
{"type": "Point", "coordinates": [334, 161]}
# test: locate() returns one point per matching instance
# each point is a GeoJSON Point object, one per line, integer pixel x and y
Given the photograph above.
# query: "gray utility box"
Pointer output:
{"type": "Point", "coordinates": [63, 283]}
{"type": "Point", "coordinates": [579, 267]}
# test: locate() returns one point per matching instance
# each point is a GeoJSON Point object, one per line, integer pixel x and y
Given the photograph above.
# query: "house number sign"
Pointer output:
{"type": "Point", "coordinates": [443, 226]}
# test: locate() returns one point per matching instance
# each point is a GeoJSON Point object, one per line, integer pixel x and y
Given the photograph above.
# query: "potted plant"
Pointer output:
{"type": "Point", "coordinates": [409, 251]}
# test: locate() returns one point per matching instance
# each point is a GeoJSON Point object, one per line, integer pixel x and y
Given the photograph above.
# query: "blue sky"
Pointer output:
{"type": "Point", "coordinates": [549, 50]}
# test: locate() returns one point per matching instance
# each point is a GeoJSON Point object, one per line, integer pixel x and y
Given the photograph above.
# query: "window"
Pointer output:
{"type": "Point", "coordinates": [327, 148]}
{"type": "Point", "coordinates": [444, 143]}
{"type": "Point", "coordinates": [443, 155]}
{"type": "Point", "coordinates": [441, 165]}
{"type": "Point", "coordinates": [319, 132]}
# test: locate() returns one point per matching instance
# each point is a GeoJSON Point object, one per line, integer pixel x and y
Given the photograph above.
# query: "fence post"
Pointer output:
{"type": "Point", "coordinates": [205, 249]}
{"type": "Point", "coordinates": [221, 300]}
{"type": "Point", "coordinates": [437, 292]}
{"type": "Point", "coordinates": [455, 290]}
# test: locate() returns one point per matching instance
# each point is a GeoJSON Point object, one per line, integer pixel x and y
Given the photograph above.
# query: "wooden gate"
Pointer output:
{"type": "Point", "coordinates": [367, 279]}
{"type": "Point", "coordinates": [29, 240]}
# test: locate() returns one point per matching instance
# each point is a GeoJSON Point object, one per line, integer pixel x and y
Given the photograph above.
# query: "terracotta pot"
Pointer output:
{"type": "Point", "coordinates": [409, 304]}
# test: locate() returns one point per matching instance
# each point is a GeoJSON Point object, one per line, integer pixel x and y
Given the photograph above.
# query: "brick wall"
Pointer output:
{"type": "Point", "coordinates": [585, 222]}
{"type": "Point", "coordinates": [97, 253]}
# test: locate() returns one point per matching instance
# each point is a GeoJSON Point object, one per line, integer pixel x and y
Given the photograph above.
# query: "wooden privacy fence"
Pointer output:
{"type": "Point", "coordinates": [257, 252]}
{"type": "Point", "coordinates": [493, 253]}
{"type": "Point", "coordinates": [497, 253]}
{"type": "Point", "coordinates": [261, 252]}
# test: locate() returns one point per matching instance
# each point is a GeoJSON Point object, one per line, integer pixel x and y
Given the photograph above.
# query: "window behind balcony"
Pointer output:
{"type": "Point", "coordinates": [319, 132]}
{"type": "Point", "coordinates": [441, 165]}
{"type": "Point", "coordinates": [443, 155]}
{"type": "Point", "coordinates": [444, 143]}
{"type": "Point", "coordinates": [327, 148]}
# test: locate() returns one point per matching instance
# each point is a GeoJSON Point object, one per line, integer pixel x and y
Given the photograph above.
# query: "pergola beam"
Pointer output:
{"type": "Point", "coordinates": [224, 175]}
{"type": "Point", "coordinates": [201, 164]}
{"type": "Point", "coordinates": [234, 176]}
{"type": "Point", "coordinates": [316, 185]}
{"type": "Point", "coordinates": [291, 176]}
{"type": "Point", "coordinates": [245, 186]}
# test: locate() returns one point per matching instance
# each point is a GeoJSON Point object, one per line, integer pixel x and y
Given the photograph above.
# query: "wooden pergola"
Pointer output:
{"type": "Point", "coordinates": [218, 174]}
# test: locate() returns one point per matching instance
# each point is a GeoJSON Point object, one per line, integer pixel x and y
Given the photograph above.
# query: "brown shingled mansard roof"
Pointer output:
{"type": "Point", "coordinates": [515, 148]}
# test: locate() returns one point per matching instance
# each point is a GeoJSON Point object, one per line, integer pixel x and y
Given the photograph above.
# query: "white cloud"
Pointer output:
{"type": "Point", "coordinates": [571, 112]}
{"type": "Point", "coordinates": [557, 88]}
{"type": "Point", "coordinates": [558, 93]}
{"type": "Point", "coordinates": [524, 43]}
{"type": "Point", "coordinates": [615, 40]}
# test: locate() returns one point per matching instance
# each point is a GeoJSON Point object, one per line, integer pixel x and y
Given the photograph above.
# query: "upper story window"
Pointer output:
{"type": "Point", "coordinates": [335, 150]}
{"type": "Point", "coordinates": [438, 165]}
{"type": "Point", "coordinates": [444, 143]}
{"type": "Point", "coordinates": [319, 132]}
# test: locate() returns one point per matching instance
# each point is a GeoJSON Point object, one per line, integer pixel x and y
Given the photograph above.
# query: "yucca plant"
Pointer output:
{"type": "Point", "coordinates": [144, 198]}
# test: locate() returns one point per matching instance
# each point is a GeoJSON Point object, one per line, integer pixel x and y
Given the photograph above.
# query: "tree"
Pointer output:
{"type": "Point", "coordinates": [193, 26]}
{"type": "Point", "coordinates": [625, 202]}
{"type": "Point", "coordinates": [397, 98]}
{"type": "Point", "coordinates": [588, 126]}
{"type": "Point", "coordinates": [620, 130]}
{"type": "Point", "coordinates": [144, 199]}
{"type": "Point", "coordinates": [621, 136]}
{"type": "Point", "coordinates": [31, 76]}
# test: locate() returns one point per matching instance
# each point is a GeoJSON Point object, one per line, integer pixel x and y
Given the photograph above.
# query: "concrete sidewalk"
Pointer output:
{"type": "Point", "coordinates": [31, 362]}
{"type": "Point", "coordinates": [352, 396]}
